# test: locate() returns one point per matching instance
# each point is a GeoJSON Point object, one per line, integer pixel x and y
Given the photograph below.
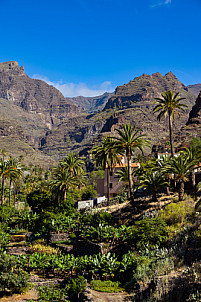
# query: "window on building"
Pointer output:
{"type": "Point", "coordinates": [111, 185]}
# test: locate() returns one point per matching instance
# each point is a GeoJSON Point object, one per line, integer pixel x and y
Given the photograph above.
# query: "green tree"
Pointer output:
{"type": "Point", "coordinates": [152, 181]}
{"type": "Point", "coordinates": [73, 165]}
{"type": "Point", "coordinates": [62, 181]}
{"type": "Point", "coordinates": [123, 175]}
{"type": "Point", "coordinates": [167, 105]}
{"type": "Point", "coordinates": [4, 174]}
{"type": "Point", "coordinates": [181, 166]}
{"type": "Point", "coordinates": [128, 140]}
{"type": "Point", "coordinates": [14, 172]}
{"type": "Point", "coordinates": [106, 156]}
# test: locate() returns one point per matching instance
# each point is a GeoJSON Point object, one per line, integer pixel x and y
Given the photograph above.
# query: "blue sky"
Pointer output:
{"type": "Point", "coordinates": [85, 47]}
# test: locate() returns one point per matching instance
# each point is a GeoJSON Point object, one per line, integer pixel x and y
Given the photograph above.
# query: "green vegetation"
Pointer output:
{"type": "Point", "coordinates": [106, 286]}
{"type": "Point", "coordinates": [132, 249]}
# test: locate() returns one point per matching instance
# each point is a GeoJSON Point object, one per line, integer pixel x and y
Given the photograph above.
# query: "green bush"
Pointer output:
{"type": "Point", "coordinates": [52, 294]}
{"type": "Point", "coordinates": [4, 240]}
{"type": "Point", "coordinates": [177, 213]}
{"type": "Point", "coordinates": [12, 277]}
{"type": "Point", "coordinates": [148, 232]}
{"type": "Point", "coordinates": [77, 286]}
{"type": "Point", "coordinates": [88, 193]}
{"type": "Point", "coordinates": [7, 213]}
{"type": "Point", "coordinates": [106, 286]}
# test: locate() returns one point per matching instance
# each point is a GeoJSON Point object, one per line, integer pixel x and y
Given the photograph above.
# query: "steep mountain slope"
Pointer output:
{"type": "Point", "coordinates": [34, 96]}
{"type": "Point", "coordinates": [131, 103]}
{"type": "Point", "coordinates": [35, 117]}
{"type": "Point", "coordinates": [28, 109]}
{"type": "Point", "coordinates": [143, 90]}
{"type": "Point", "coordinates": [193, 126]}
{"type": "Point", "coordinates": [195, 89]}
{"type": "Point", "coordinates": [91, 104]}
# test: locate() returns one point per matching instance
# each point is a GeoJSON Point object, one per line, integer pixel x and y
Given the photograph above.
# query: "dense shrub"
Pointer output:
{"type": "Point", "coordinates": [7, 213]}
{"type": "Point", "coordinates": [12, 277]}
{"type": "Point", "coordinates": [177, 213]}
{"type": "Point", "coordinates": [148, 232]}
{"type": "Point", "coordinates": [52, 294]}
{"type": "Point", "coordinates": [76, 286]}
{"type": "Point", "coordinates": [88, 193]}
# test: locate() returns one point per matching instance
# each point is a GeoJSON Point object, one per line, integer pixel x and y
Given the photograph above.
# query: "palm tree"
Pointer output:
{"type": "Point", "coordinates": [4, 174]}
{"type": "Point", "coordinates": [106, 156]}
{"type": "Point", "coordinates": [169, 104]}
{"type": "Point", "coordinates": [152, 181]}
{"type": "Point", "coordinates": [128, 140]}
{"type": "Point", "coordinates": [160, 165]}
{"type": "Point", "coordinates": [62, 181]}
{"type": "Point", "coordinates": [14, 172]}
{"type": "Point", "coordinates": [123, 175]}
{"type": "Point", "coordinates": [73, 164]}
{"type": "Point", "coordinates": [181, 167]}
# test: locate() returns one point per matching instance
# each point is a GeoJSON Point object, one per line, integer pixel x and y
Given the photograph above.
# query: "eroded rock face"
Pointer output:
{"type": "Point", "coordinates": [34, 96]}
{"type": "Point", "coordinates": [195, 114]}
{"type": "Point", "coordinates": [144, 89]}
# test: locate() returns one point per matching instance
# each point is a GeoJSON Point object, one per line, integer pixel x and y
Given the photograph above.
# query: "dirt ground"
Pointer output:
{"type": "Point", "coordinates": [31, 294]}
{"type": "Point", "coordinates": [109, 297]}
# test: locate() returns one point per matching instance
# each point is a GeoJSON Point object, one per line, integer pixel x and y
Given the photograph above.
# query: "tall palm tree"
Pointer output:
{"type": "Point", "coordinates": [123, 175]}
{"type": "Point", "coordinates": [167, 105]}
{"type": "Point", "coordinates": [73, 164]}
{"type": "Point", "coordinates": [160, 165]}
{"type": "Point", "coordinates": [14, 172]}
{"type": "Point", "coordinates": [62, 181]}
{"type": "Point", "coordinates": [128, 140]}
{"type": "Point", "coordinates": [181, 167]}
{"type": "Point", "coordinates": [106, 156]}
{"type": "Point", "coordinates": [4, 173]}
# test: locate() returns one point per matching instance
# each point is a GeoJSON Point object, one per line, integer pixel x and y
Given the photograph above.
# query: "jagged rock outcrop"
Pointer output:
{"type": "Point", "coordinates": [34, 96]}
{"type": "Point", "coordinates": [195, 89]}
{"type": "Point", "coordinates": [143, 90]}
{"type": "Point", "coordinates": [195, 113]}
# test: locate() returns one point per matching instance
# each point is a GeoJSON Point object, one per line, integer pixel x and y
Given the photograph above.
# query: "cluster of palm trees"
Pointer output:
{"type": "Point", "coordinates": [152, 175]}
{"type": "Point", "coordinates": [156, 173]}
{"type": "Point", "coordinates": [10, 170]}
{"type": "Point", "coordinates": [107, 155]}
{"type": "Point", "coordinates": [68, 174]}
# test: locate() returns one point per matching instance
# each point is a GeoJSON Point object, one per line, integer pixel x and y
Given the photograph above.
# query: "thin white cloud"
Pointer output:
{"type": "Point", "coordinates": [161, 3]}
{"type": "Point", "coordinates": [80, 89]}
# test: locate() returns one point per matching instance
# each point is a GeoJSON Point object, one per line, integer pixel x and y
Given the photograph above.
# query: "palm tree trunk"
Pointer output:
{"type": "Point", "coordinates": [108, 186]}
{"type": "Point", "coordinates": [170, 130]}
{"type": "Point", "coordinates": [2, 193]}
{"type": "Point", "coordinates": [14, 193]}
{"type": "Point", "coordinates": [154, 196]}
{"type": "Point", "coordinates": [181, 190]}
{"type": "Point", "coordinates": [65, 195]}
{"type": "Point", "coordinates": [130, 196]}
{"type": "Point", "coordinates": [168, 188]}
{"type": "Point", "coordinates": [10, 191]}
{"type": "Point", "coordinates": [192, 177]}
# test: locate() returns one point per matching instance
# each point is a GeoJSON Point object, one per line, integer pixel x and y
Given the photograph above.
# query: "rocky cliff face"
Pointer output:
{"type": "Point", "coordinates": [36, 115]}
{"type": "Point", "coordinates": [195, 89]}
{"type": "Point", "coordinates": [143, 90]}
{"type": "Point", "coordinates": [91, 104]}
{"type": "Point", "coordinates": [88, 130]}
{"type": "Point", "coordinates": [195, 113]}
{"type": "Point", "coordinates": [34, 96]}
